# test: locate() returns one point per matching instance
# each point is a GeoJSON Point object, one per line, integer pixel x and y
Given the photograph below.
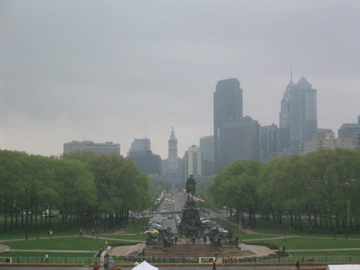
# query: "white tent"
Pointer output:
{"type": "Point", "coordinates": [145, 266]}
{"type": "Point", "coordinates": [343, 267]}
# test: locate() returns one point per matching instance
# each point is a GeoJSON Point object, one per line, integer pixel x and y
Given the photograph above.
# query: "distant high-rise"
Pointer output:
{"type": "Point", "coordinates": [148, 163]}
{"type": "Point", "coordinates": [239, 140]}
{"type": "Point", "coordinates": [98, 148]}
{"type": "Point", "coordinates": [140, 145]}
{"type": "Point", "coordinates": [298, 116]}
{"type": "Point", "coordinates": [193, 162]}
{"type": "Point", "coordinates": [172, 166]}
{"type": "Point", "coordinates": [173, 146]}
{"type": "Point", "coordinates": [228, 107]}
{"type": "Point", "coordinates": [348, 131]}
{"type": "Point", "coordinates": [207, 147]}
{"type": "Point", "coordinates": [269, 142]}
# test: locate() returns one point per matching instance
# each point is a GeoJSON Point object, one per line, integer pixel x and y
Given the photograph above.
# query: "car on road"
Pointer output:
{"type": "Point", "coordinates": [170, 217]}
{"type": "Point", "coordinates": [152, 231]}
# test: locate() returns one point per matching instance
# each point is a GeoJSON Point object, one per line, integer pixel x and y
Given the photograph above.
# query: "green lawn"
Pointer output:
{"type": "Point", "coordinates": [245, 237]}
{"type": "Point", "coordinates": [138, 227]}
{"type": "Point", "coordinates": [42, 254]}
{"type": "Point", "coordinates": [64, 243]}
{"type": "Point", "coordinates": [326, 253]}
{"type": "Point", "coordinates": [313, 243]}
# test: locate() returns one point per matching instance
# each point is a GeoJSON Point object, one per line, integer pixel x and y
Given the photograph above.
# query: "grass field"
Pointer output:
{"type": "Point", "coordinates": [312, 243]}
{"type": "Point", "coordinates": [42, 254]}
{"type": "Point", "coordinates": [326, 253]}
{"type": "Point", "coordinates": [64, 243]}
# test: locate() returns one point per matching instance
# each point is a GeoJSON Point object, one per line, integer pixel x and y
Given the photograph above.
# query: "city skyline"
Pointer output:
{"type": "Point", "coordinates": [106, 68]}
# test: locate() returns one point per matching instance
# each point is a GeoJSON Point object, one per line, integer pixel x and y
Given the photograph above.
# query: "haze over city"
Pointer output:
{"type": "Point", "coordinates": [100, 70]}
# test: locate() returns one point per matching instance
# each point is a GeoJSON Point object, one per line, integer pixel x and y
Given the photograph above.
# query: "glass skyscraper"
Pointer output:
{"type": "Point", "coordinates": [228, 108]}
{"type": "Point", "coordinates": [298, 116]}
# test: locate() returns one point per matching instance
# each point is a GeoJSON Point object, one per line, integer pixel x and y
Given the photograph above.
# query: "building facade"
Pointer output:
{"type": "Point", "coordinates": [172, 172]}
{"type": "Point", "coordinates": [98, 148]}
{"type": "Point", "coordinates": [148, 163]}
{"type": "Point", "coordinates": [228, 108]}
{"type": "Point", "coordinates": [298, 116]}
{"type": "Point", "coordinates": [193, 162]}
{"type": "Point", "coordinates": [239, 140]}
{"type": "Point", "coordinates": [140, 145]}
{"type": "Point", "coordinates": [207, 147]}
{"type": "Point", "coordinates": [269, 142]}
{"type": "Point", "coordinates": [348, 131]}
{"type": "Point", "coordinates": [325, 140]}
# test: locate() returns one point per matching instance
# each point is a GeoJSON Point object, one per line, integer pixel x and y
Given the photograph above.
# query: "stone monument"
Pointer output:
{"type": "Point", "coordinates": [190, 224]}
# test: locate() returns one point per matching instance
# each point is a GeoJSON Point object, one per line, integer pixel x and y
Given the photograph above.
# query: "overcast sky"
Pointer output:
{"type": "Point", "coordinates": [101, 69]}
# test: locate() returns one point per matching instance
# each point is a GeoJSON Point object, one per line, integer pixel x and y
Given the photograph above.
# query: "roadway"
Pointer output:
{"type": "Point", "coordinates": [173, 202]}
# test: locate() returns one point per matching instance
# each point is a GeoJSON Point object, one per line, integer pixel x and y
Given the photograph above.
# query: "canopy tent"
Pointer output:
{"type": "Point", "coordinates": [344, 267]}
{"type": "Point", "coordinates": [145, 266]}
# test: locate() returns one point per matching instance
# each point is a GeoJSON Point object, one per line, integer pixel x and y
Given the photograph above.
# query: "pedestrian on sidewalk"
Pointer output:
{"type": "Point", "coordinates": [92, 233]}
{"type": "Point", "coordinates": [297, 265]}
{"type": "Point", "coordinates": [204, 239]}
{"type": "Point", "coordinates": [198, 237]}
{"type": "Point", "coordinates": [176, 239]}
{"type": "Point", "coordinates": [46, 258]}
{"type": "Point", "coordinates": [214, 263]}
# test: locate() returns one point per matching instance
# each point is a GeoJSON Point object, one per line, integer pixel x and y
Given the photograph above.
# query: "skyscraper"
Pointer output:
{"type": "Point", "coordinates": [173, 146]}
{"type": "Point", "coordinates": [298, 116]}
{"type": "Point", "coordinates": [193, 162]}
{"type": "Point", "coordinates": [207, 147]}
{"type": "Point", "coordinates": [349, 130]}
{"type": "Point", "coordinates": [239, 140]}
{"type": "Point", "coordinates": [269, 142]}
{"type": "Point", "coordinates": [140, 145]}
{"type": "Point", "coordinates": [172, 166]}
{"type": "Point", "coordinates": [228, 107]}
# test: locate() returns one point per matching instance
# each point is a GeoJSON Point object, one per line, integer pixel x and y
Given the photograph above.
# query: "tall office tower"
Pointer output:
{"type": "Point", "coordinates": [140, 145]}
{"type": "Point", "coordinates": [298, 115]}
{"type": "Point", "coordinates": [98, 148]}
{"type": "Point", "coordinates": [207, 147]}
{"type": "Point", "coordinates": [269, 142]}
{"type": "Point", "coordinates": [239, 140]}
{"type": "Point", "coordinates": [284, 127]}
{"type": "Point", "coordinates": [228, 107]}
{"type": "Point", "coordinates": [148, 163]}
{"type": "Point", "coordinates": [193, 162]}
{"type": "Point", "coordinates": [348, 131]}
{"type": "Point", "coordinates": [172, 166]}
{"type": "Point", "coordinates": [173, 146]}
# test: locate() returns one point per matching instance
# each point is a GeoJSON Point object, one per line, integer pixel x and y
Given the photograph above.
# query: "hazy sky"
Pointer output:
{"type": "Point", "coordinates": [100, 69]}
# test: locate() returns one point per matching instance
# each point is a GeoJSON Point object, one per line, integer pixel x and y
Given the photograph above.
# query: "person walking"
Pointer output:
{"type": "Point", "coordinates": [214, 263]}
{"type": "Point", "coordinates": [204, 239]}
{"type": "Point", "coordinates": [46, 258]}
{"type": "Point", "coordinates": [297, 265]}
{"type": "Point", "coordinates": [176, 239]}
{"type": "Point", "coordinates": [198, 238]}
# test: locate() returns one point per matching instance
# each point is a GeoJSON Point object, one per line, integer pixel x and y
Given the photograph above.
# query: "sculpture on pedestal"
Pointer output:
{"type": "Point", "coordinates": [190, 223]}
